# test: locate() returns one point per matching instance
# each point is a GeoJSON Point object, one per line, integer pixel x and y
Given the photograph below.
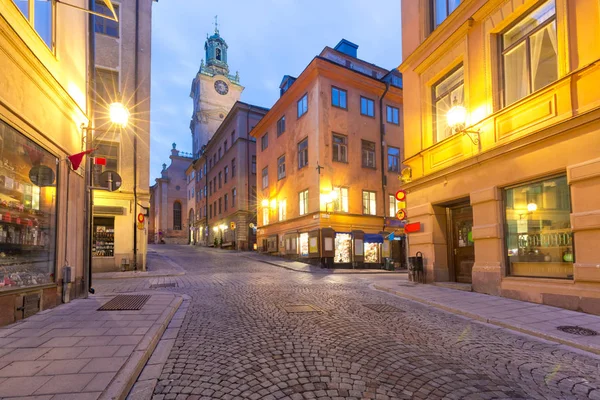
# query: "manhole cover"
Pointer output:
{"type": "Point", "coordinates": [299, 308]}
{"type": "Point", "coordinates": [577, 330]}
{"type": "Point", "coordinates": [125, 303]}
{"type": "Point", "coordinates": [163, 285]}
{"type": "Point", "coordinates": [382, 308]}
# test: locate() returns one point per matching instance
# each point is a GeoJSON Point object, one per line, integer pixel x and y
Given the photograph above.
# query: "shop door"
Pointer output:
{"type": "Point", "coordinates": [462, 242]}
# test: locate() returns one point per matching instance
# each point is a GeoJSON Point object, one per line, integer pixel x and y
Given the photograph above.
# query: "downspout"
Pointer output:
{"type": "Point", "coordinates": [135, 94]}
{"type": "Point", "coordinates": [207, 234]}
{"type": "Point", "coordinates": [249, 172]}
{"type": "Point", "coordinates": [381, 141]}
{"type": "Point", "coordinates": [89, 201]}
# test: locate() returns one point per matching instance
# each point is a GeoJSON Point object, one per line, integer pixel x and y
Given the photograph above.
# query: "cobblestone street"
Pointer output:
{"type": "Point", "coordinates": [240, 339]}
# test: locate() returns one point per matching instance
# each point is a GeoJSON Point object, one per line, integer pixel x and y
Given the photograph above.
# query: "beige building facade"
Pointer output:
{"type": "Point", "coordinates": [122, 73]}
{"type": "Point", "coordinates": [328, 157]}
{"type": "Point", "coordinates": [502, 135]}
{"type": "Point", "coordinates": [43, 105]}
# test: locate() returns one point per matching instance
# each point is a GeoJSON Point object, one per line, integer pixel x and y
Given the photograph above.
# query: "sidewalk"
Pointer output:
{"type": "Point", "coordinates": [75, 352]}
{"type": "Point", "coordinates": [303, 267]}
{"type": "Point", "coordinates": [530, 318]}
{"type": "Point", "coordinates": [158, 265]}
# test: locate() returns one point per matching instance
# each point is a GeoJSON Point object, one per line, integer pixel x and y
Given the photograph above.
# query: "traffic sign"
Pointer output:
{"type": "Point", "coordinates": [141, 218]}
{"type": "Point", "coordinates": [401, 214]}
{"type": "Point", "coordinates": [401, 195]}
{"type": "Point", "coordinates": [232, 225]}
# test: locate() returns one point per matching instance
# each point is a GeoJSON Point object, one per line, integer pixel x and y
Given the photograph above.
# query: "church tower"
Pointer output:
{"type": "Point", "coordinates": [214, 91]}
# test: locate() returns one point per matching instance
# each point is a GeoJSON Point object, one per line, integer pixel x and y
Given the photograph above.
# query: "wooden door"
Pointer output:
{"type": "Point", "coordinates": [463, 248]}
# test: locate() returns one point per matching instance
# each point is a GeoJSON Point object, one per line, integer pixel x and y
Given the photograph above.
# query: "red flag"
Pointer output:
{"type": "Point", "coordinates": [77, 158]}
{"type": "Point", "coordinates": [99, 161]}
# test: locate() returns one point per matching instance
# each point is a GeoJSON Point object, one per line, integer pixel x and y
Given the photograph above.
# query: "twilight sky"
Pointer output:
{"type": "Point", "coordinates": [267, 39]}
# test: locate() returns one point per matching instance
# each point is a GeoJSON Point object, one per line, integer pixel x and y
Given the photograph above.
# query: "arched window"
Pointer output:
{"type": "Point", "coordinates": [218, 54]}
{"type": "Point", "coordinates": [177, 216]}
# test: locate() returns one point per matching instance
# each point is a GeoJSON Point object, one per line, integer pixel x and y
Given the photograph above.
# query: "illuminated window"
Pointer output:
{"type": "Point", "coordinates": [283, 210]}
{"type": "Point", "coordinates": [448, 92]}
{"type": "Point", "coordinates": [303, 202]}
{"type": "Point", "coordinates": [340, 203]}
{"type": "Point", "coordinates": [369, 203]}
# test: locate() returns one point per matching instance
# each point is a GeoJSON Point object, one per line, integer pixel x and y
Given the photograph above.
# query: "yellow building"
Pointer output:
{"type": "Point", "coordinates": [328, 157]}
{"type": "Point", "coordinates": [43, 105]}
{"type": "Point", "coordinates": [502, 145]}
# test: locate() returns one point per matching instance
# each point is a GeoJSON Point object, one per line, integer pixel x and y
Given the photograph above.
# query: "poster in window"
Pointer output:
{"type": "Point", "coordinates": [358, 247]}
{"type": "Point", "coordinates": [304, 244]}
{"type": "Point", "coordinates": [343, 248]}
{"type": "Point", "coordinates": [328, 244]}
{"type": "Point", "coordinates": [314, 248]}
{"type": "Point", "coordinates": [371, 252]}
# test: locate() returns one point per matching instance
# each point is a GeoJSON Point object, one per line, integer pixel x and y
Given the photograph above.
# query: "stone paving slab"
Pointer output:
{"type": "Point", "coordinates": [530, 318]}
{"type": "Point", "coordinates": [158, 265]}
{"type": "Point", "coordinates": [307, 268]}
{"type": "Point", "coordinates": [76, 352]}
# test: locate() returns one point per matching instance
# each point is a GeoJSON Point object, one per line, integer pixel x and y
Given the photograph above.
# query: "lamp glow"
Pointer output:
{"type": "Point", "coordinates": [264, 203]}
{"type": "Point", "coordinates": [326, 198]}
{"type": "Point", "coordinates": [273, 204]}
{"type": "Point", "coordinates": [531, 207]}
{"type": "Point", "coordinates": [457, 117]}
{"type": "Point", "coordinates": [223, 227]}
{"type": "Point", "coordinates": [119, 114]}
{"type": "Point", "coordinates": [334, 195]}
{"type": "Point", "coordinates": [216, 229]}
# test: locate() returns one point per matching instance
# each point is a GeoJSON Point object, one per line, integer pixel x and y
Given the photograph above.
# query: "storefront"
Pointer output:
{"type": "Point", "coordinates": [372, 250]}
{"type": "Point", "coordinates": [343, 250]}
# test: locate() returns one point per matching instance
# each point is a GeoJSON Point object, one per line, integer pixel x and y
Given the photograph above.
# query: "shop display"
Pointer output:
{"type": "Point", "coordinates": [27, 212]}
{"type": "Point", "coordinates": [372, 253]}
{"type": "Point", "coordinates": [343, 248]}
{"type": "Point", "coordinates": [104, 237]}
{"type": "Point", "coordinates": [304, 244]}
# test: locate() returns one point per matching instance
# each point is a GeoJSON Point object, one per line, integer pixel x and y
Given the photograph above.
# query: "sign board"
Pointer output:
{"type": "Point", "coordinates": [313, 245]}
{"type": "Point", "coordinates": [401, 195]}
{"type": "Point", "coordinates": [110, 180]}
{"type": "Point", "coordinates": [141, 218]}
{"type": "Point", "coordinates": [232, 225]}
{"type": "Point", "coordinates": [41, 175]}
{"type": "Point", "coordinates": [140, 226]}
{"type": "Point", "coordinates": [401, 214]}
{"type": "Point", "coordinates": [413, 227]}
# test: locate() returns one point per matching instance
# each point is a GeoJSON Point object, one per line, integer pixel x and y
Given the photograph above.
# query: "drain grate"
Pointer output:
{"type": "Point", "coordinates": [163, 285]}
{"type": "Point", "coordinates": [125, 303]}
{"type": "Point", "coordinates": [382, 308]}
{"type": "Point", "coordinates": [577, 330]}
{"type": "Point", "coordinates": [299, 308]}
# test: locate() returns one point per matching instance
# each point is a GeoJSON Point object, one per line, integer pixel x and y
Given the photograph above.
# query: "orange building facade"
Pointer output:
{"type": "Point", "coordinates": [502, 165]}
{"type": "Point", "coordinates": [328, 157]}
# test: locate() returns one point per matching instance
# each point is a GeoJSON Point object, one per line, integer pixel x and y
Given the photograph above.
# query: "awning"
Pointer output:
{"type": "Point", "coordinates": [107, 3]}
{"type": "Point", "coordinates": [373, 238]}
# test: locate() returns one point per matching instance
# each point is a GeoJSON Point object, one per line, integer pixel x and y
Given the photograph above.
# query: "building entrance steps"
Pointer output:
{"type": "Point", "coordinates": [531, 318]}
{"type": "Point", "coordinates": [467, 287]}
{"type": "Point", "coordinates": [74, 351]}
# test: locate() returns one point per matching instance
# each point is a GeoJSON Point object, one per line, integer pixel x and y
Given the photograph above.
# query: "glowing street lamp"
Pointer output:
{"type": "Point", "coordinates": [264, 203]}
{"type": "Point", "coordinates": [531, 207]}
{"type": "Point", "coordinates": [457, 120]}
{"type": "Point", "coordinates": [119, 114]}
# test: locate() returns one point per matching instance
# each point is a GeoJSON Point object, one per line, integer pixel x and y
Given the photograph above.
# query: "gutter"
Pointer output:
{"type": "Point", "coordinates": [381, 144]}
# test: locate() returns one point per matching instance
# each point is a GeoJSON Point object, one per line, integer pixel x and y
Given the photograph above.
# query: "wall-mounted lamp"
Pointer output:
{"type": "Point", "coordinates": [531, 207]}
{"type": "Point", "coordinates": [457, 121]}
{"type": "Point", "coordinates": [119, 114]}
{"type": "Point", "coordinates": [264, 203]}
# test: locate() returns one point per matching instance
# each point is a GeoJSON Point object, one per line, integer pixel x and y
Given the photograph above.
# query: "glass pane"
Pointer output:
{"type": "Point", "coordinates": [342, 99]}
{"type": "Point", "coordinates": [452, 5]}
{"type": "Point", "coordinates": [544, 65]}
{"type": "Point", "coordinates": [442, 130]}
{"type": "Point", "coordinates": [448, 83]}
{"type": "Point", "coordinates": [516, 76]}
{"type": "Point", "coordinates": [23, 6]}
{"type": "Point", "coordinates": [539, 237]}
{"type": "Point", "coordinates": [440, 12]}
{"type": "Point", "coordinates": [529, 23]}
{"type": "Point", "coordinates": [43, 20]}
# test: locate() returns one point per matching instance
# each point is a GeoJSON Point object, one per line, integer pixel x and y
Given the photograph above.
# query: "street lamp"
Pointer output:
{"type": "Point", "coordinates": [119, 114]}
{"type": "Point", "coordinates": [457, 121]}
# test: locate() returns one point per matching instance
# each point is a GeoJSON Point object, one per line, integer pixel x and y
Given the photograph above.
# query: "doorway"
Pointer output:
{"type": "Point", "coordinates": [462, 247]}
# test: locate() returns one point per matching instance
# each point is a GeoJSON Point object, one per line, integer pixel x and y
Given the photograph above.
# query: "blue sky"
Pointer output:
{"type": "Point", "coordinates": [267, 39]}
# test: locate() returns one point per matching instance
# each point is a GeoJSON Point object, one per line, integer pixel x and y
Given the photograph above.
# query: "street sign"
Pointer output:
{"type": "Point", "coordinates": [401, 214]}
{"type": "Point", "coordinates": [110, 180]}
{"type": "Point", "coordinates": [413, 227]}
{"type": "Point", "coordinates": [141, 218]}
{"type": "Point", "coordinates": [232, 225]}
{"type": "Point", "coordinates": [401, 195]}
{"type": "Point", "coordinates": [140, 226]}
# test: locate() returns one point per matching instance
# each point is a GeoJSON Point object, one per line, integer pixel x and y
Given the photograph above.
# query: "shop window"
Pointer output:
{"type": "Point", "coordinates": [539, 238]}
{"type": "Point", "coordinates": [369, 203]}
{"type": "Point", "coordinates": [340, 202]}
{"type": "Point", "coordinates": [303, 202]}
{"type": "Point", "coordinates": [343, 248]}
{"type": "Point", "coordinates": [303, 240]}
{"type": "Point", "coordinates": [103, 25]}
{"type": "Point", "coordinates": [368, 154]}
{"type": "Point", "coordinates": [28, 190]}
{"type": "Point", "coordinates": [340, 148]}
{"type": "Point", "coordinates": [529, 53]}
{"type": "Point", "coordinates": [447, 92]}
{"type": "Point", "coordinates": [176, 216]}
{"type": "Point", "coordinates": [40, 15]}
{"type": "Point", "coordinates": [103, 244]}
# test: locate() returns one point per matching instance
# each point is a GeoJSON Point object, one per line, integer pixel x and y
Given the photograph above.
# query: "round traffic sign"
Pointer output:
{"type": "Point", "coordinates": [141, 218]}
{"type": "Point", "coordinates": [400, 195]}
{"type": "Point", "coordinates": [401, 214]}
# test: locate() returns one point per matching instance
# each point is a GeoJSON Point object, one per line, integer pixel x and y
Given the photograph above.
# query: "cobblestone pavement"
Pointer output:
{"type": "Point", "coordinates": [238, 341]}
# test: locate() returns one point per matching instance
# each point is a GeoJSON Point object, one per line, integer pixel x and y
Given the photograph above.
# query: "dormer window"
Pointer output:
{"type": "Point", "coordinates": [218, 53]}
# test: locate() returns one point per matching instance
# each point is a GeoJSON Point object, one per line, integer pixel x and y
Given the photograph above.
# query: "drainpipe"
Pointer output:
{"type": "Point", "coordinates": [381, 141]}
{"type": "Point", "coordinates": [88, 145]}
{"type": "Point", "coordinates": [249, 171]}
{"type": "Point", "coordinates": [136, 81]}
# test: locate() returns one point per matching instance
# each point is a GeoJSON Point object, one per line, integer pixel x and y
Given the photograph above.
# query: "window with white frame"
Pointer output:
{"type": "Point", "coordinates": [530, 53]}
{"type": "Point", "coordinates": [303, 202]}
{"type": "Point", "coordinates": [282, 210]}
{"type": "Point", "coordinates": [265, 214]}
{"type": "Point", "coordinates": [447, 92]}
{"type": "Point", "coordinates": [393, 205]}
{"type": "Point", "coordinates": [369, 203]}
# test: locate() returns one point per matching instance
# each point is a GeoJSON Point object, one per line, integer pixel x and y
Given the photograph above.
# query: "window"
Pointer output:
{"type": "Point", "coordinates": [368, 154]}
{"type": "Point", "coordinates": [340, 203]}
{"type": "Point", "coordinates": [282, 210]}
{"type": "Point", "coordinates": [393, 159]}
{"type": "Point", "coordinates": [393, 205]}
{"type": "Point", "coordinates": [448, 92]}
{"type": "Point", "coordinates": [441, 9]}
{"type": "Point", "coordinates": [176, 216]}
{"type": "Point", "coordinates": [264, 142]}
{"type": "Point", "coordinates": [233, 167]}
{"type": "Point", "coordinates": [265, 177]}
{"type": "Point", "coordinates": [215, 184]}
{"type": "Point", "coordinates": [254, 164]}
{"type": "Point", "coordinates": [367, 107]}
{"type": "Point", "coordinates": [303, 105]}
{"type": "Point", "coordinates": [210, 188]}
{"type": "Point", "coordinates": [107, 86]}
{"type": "Point", "coordinates": [281, 167]}
{"type": "Point", "coordinates": [340, 148]}
{"type": "Point", "coordinates": [214, 159]}
{"type": "Point", "coordinates": [219, 151]}
{"type": "Point", "coordinates": [281, 126]}
{"type": "Point", "coordinates": [303, 202]}
{"type": "Point", "coordinates": [338, 97]}
{"type": "Point", "coordinates": [393, 115]}
{"type": "Point", "coordinates": [40, 15]}
{"type": "Point", "coordinates": [265, 212]}
{"type": "Point", "coordinates": [233, 197]}
{"type": "Point", "coordinates": [225, 145]}
{"type": "Point", "coordinates": [253, 198]}
{"type": "Point", "coordinates": [103, 25]}
{"type": "Point", "coordinates": [210, 210]}
{"type": "Point", "coordinates": [232, 137]}
{"type": "Point", "coordinates": [369, 204]}
{"type": "Point", "coordinates": [529, 53]}
{"type": "Point", "coordinates": [226, 170]}
{"type": "Point", "coordinates": [539, 239]}
{"type": "Point", "coordinates": [110, 151]}
{"type": "Point", "coordinates": [226, 201]}
{"type": "Point", "coordinates": [220, 176]}
{"type": "Point", "coordinates": [303, 153]}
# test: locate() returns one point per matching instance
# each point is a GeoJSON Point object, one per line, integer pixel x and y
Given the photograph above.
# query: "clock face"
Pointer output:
{"type": "Point", "coordinates": [221, 87]}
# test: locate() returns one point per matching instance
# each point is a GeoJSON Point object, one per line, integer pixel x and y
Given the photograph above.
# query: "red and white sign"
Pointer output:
{"type": "Point", "coordinates": [401, 195]}
{"type": "Point", "coordinates": [141, 218]}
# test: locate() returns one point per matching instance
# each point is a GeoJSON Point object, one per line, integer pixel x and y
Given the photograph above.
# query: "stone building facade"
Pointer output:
{"type": "Point", "coordinates": [328, 157]}
{"type": "Point", "coordinates": [502, 167]}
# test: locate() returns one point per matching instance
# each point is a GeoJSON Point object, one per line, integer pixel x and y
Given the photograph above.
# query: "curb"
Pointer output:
{"type": "Point", "coordinates": [326, 271]}
{"type": "Point", "coordinates": [126, 377]}
{"type": "Point", "coordinates": [96, 276]}
{"type": "Point", "coordinates": [491, 321]}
